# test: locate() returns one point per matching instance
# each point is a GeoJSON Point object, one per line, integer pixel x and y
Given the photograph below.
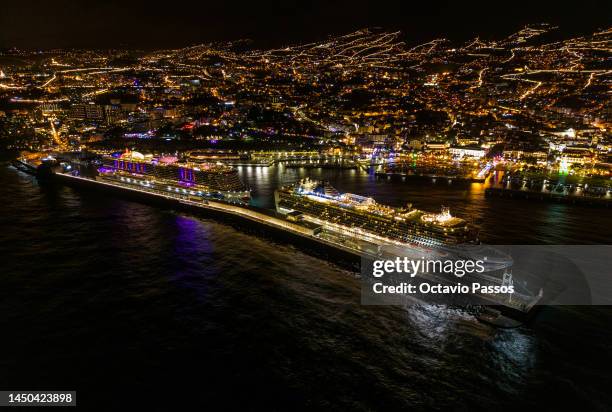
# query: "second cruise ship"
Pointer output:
{"type": "Point", "coordinates": [362, 217]}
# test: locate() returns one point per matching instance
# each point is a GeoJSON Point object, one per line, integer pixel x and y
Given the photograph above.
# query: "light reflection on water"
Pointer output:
{"type": "Point", "coordinates": [517, 351]}
{"type": "Point", "coordinates": [437, 322]}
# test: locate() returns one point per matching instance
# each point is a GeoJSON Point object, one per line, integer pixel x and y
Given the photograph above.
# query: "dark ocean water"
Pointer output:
{"type": "Point", "coordinates": [137, 306]}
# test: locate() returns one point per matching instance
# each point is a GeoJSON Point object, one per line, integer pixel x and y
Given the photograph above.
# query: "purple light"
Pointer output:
{"type": "Point", "coordinates": [186, 175]}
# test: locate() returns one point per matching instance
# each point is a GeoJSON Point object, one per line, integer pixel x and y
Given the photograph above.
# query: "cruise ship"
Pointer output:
{"type": "Point", "coordinates": [364, 218]}
{"type": "Point", "coordinates": [358, 221]}
{"type": "Point", "coordinates": [166, 173]}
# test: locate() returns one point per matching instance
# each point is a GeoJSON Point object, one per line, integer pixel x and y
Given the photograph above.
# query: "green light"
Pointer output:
{"type": "Point", "coordinates": [563, 167]}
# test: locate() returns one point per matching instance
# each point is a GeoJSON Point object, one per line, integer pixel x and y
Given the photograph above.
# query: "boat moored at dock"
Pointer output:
{"type": "Point", "coordinates": [362, 216]}
{"type": "Point", "coordinates": [166, 173]}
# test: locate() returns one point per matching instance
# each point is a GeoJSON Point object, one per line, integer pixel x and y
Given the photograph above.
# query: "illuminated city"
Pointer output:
{"type": "Point", "coordinates": [539, 111]}
{"type": "Point", "coordinates": [217, 204]}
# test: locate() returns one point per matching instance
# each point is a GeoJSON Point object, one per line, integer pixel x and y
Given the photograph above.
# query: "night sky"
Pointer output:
{"type": "Point", "coordinates": [175, 23]}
